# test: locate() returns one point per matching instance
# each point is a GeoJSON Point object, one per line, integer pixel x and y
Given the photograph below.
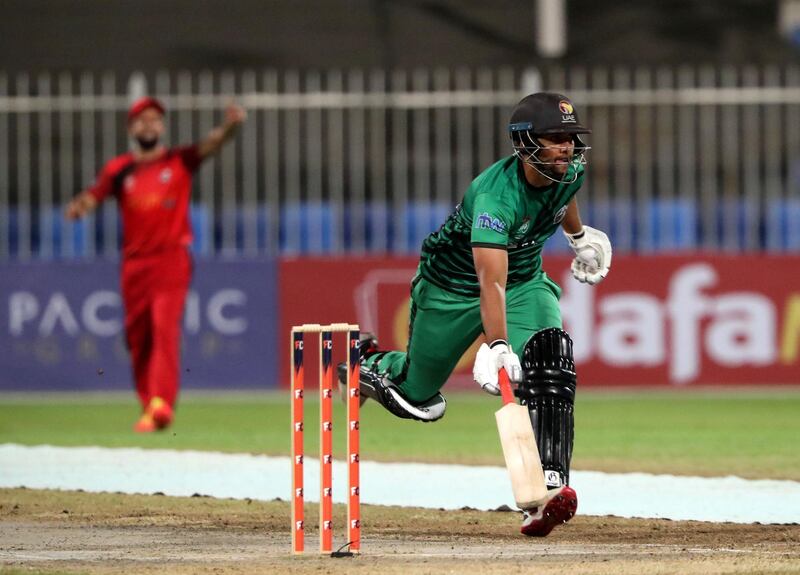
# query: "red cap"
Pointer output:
{"type": "Point", "coordinates": [143, 104]}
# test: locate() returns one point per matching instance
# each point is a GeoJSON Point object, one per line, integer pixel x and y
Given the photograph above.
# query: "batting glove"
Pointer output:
{"type": "Point", "coordinates": [592, 255]}
{"type": "Point", "coordinates": [489, 360]}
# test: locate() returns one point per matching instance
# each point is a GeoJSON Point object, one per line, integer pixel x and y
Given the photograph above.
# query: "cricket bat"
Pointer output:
{"type": "Point", "coordinates": [519, 448]}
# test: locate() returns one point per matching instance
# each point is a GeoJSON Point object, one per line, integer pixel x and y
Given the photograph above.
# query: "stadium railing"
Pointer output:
{"type": "Point", "coordinates": [685, 158]}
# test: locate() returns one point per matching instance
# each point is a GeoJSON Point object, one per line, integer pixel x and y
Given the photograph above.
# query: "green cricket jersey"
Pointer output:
{"type": "Point", "coordinates": [499, 210]}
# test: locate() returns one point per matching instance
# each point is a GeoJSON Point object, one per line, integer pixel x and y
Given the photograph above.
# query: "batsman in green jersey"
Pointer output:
{"type": "Point", "coordinates": [481, 273]}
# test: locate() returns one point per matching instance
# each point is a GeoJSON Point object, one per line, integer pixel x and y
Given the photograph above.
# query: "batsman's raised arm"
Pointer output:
{"type": "Point", "coordinates": [234, 116]}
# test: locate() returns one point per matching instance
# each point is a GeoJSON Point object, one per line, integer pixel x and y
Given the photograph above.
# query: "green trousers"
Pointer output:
{"type": "Point", "coordinates": [443, 325]}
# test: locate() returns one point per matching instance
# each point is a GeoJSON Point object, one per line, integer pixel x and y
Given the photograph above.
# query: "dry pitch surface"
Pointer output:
{"type": "Point", "coordinates": [51, 532]}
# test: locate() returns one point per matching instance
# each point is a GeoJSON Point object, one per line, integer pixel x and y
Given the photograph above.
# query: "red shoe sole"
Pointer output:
{"type": "Point", "coordinates": [162, 417]}
{"type": "Point", "coordinates": [161, 412]}
{"type": "Point", "coordinates": [558, 510]}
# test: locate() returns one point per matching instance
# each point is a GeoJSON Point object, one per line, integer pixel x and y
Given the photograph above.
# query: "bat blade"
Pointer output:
{"type": "Point", "coordinates": [520, 451]}
{"type": "Point", "coordinates": [521, 455]}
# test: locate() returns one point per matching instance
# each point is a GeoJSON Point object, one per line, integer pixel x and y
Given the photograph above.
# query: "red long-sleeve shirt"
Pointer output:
{"type": "Point", "coordinates": [153, 199]}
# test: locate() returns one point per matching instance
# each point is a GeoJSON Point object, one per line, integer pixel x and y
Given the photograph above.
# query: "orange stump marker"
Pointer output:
{"type": "Point", "coordinates": [298, 527]}
{"type": "Point", "coordinates": [353, 456]}
{"type": "Point", "coordinates": [326, 436]}
{"type": "Point", "coordinates": [326, 442]}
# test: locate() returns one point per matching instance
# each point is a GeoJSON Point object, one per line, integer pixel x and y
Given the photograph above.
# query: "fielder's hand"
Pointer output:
{"type": "Point", "coordinates": [235, 115]}
{"type": "Point", "coordinates": [592, 255]}
{"type": "Point", "coordinates": [79, 206]}
{"type": "Point", "coordinates": [488, 362]}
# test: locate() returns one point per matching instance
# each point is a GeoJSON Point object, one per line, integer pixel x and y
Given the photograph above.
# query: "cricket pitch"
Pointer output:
{"type": "Point", "coordinates": [54, 532]}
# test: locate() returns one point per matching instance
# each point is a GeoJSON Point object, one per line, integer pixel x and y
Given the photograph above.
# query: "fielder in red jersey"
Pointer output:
{"type": "Point", "coordinates": [153, 185]}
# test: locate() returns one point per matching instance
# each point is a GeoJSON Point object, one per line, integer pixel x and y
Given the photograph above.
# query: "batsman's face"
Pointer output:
{"type": "Point", "coordinates": [556, 152]}
{"type": "Point", "coordinates": [147, 128]}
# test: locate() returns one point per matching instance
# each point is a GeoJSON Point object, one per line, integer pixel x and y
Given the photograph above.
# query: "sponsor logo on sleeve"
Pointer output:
{"type": "Point", "coordinates": [487, 222]}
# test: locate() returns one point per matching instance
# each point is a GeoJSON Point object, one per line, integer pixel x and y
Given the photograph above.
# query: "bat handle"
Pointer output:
{"type": "Point", "coordinates": [505, 386]}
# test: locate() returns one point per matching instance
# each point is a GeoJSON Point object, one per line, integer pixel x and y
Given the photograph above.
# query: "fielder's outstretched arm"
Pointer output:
{"type": "Point", "coordinates": [81, 205]}
{"type": "Point", "coordinates": [234, 116]}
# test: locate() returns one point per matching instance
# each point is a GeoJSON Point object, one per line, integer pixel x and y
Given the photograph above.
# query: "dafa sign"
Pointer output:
{"type": "Point", "coordinates": [688, 321]}
{"type": "Point", "coordinates": [654, 321]}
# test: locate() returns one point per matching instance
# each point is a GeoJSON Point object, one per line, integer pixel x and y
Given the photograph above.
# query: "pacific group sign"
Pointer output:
{"type": "Point", "coordinates": [63, 327]}
{"type": "Point", "coordinates": [100, 313]}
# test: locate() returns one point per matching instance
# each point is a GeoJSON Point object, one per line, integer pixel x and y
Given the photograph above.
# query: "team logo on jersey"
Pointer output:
{"type": "Point", "coordinates": [128, 183]}
{"type": "Point", "coordinates": [560, 215]}
{"type": "Point", "coordinates": [567, 112]}
{"type": "Point", "coordinates": [523, 228]}
{"type": "Point", "coordinates": [165, 175]}
{"type": "Point", "coordinates": [487, 222]}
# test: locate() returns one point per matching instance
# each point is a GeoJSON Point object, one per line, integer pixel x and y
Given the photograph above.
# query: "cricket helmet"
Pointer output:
{"type": "Point", "coordinates": [544, 114]}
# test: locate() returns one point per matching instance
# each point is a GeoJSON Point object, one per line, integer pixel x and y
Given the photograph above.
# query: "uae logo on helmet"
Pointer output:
{"type": "Point", "coordinates": [567, 112]}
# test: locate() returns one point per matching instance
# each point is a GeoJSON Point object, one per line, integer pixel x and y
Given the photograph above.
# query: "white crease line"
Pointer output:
{"type": "Point", "coordinates": [184, 473]}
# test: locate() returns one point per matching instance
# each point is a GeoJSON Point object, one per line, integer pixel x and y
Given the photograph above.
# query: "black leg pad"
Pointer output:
{"type": "Point", "coordinates": [548, 390]}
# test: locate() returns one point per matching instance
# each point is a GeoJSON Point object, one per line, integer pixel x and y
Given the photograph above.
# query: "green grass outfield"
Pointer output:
{"type": "Point", "coordinates": [747, 433]}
